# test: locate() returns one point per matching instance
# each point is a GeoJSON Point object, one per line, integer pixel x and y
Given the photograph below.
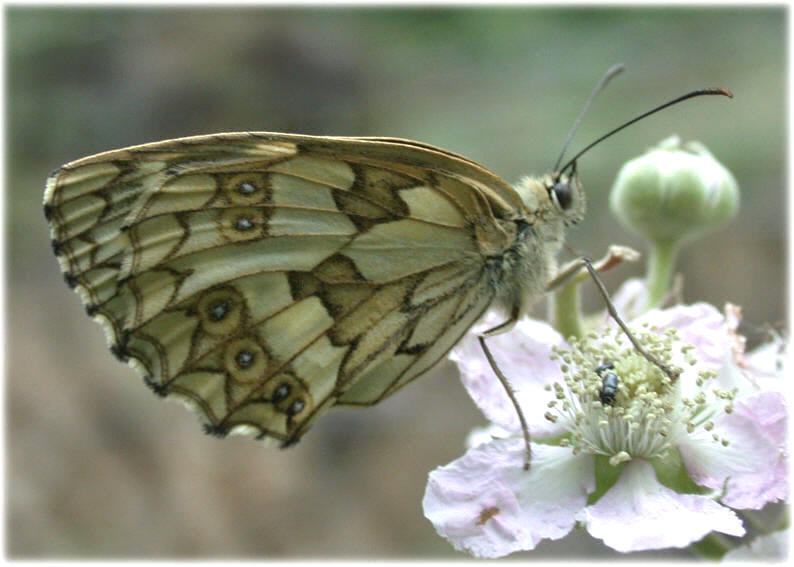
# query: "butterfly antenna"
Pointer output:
{"type": "Point", "coordinates": [701, 92]}
{"type": "Point", "coordinates": [599, 87]}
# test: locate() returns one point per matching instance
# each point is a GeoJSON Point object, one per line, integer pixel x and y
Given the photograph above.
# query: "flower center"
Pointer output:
{"type": "Point", "coordinates": [616, 403]}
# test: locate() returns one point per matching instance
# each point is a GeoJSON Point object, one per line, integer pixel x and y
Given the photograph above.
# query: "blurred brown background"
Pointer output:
{"type": "Point", "coordinates": [99, 467]}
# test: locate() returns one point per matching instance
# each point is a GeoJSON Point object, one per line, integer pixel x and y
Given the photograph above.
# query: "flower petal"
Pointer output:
{"type": "Point", "coordinates": [629, 299]}
{"type": "Point", "coordinates": [638, 513]}
{"type": "Point", "coordinates": [702, 326]}
{"type": "Point", "coordinates": [768, 364]}
{"type": "Point", "coordinates": [485, 503]}
{"type": "Point", "coordinates": [754, 463]}
{"type": "Point", "coordinates": [524, 357]}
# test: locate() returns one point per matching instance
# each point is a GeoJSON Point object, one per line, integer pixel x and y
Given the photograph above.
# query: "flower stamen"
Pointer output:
{"type": "Point", "coordinates": [616, 403]}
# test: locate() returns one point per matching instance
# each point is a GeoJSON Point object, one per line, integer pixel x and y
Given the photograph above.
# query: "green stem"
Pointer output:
{"type": "Point", "coordinates": [660, 271]}
{"type": "Point", "coordinates": [714, 546]}
{"type": "Point", "coordinates": [567, 311]}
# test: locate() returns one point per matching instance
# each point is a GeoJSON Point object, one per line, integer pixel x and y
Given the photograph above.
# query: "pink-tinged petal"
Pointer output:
{"type": "Point", "coordinates": [468, 354]}
{"type": "Point", "coordinates": [524, 357]}
{"type": "Point", "coordinates": [480, 381]}
{"type": "Point", "coordinates": [638, 513]}
{"type": "Point", "coordinates": [485, 503]}
{"type": "Point", "coordinates": [524, 353]}
{"type": "Point", "coordinates": [769, 358]}
{"type": "Point", "coordinates": [700, 325]}
{"type": "Point", "coordinates": [629, 299]}
{"type": "Point", "coordinates": [754, 463]}
{"type": "Point", "coordinates": [486, 434]}
{"type": "Point", "coordinates": [767, 365]}
{"type": "Point", "coordinates": [756, 371]}
{"type": "Point", "coordinates": [769, 412]}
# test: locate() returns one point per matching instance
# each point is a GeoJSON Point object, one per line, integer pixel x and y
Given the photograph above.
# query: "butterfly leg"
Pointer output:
{"type": "Point", "coordinates": [503, 327]}
{"type": "Point", "coordinates": [572, 269]}
{"type": "Point", "coordinates": [510, 394]}
{"type": "Point", "coordinates": [614, 256]}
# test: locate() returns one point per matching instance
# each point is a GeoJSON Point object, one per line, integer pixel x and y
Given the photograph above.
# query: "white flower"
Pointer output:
{"type": "Point", "coordinates": [658, 465]}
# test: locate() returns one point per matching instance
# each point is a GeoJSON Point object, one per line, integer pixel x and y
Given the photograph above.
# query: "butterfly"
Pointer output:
{"type": "Point", "coordinates": [265, 278]}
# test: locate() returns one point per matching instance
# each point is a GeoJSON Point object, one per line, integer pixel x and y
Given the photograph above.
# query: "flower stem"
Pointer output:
{"type": "Point", "coordinates": [566, 309]}
{"type": "Point", "coordinates": [660, 269]}
{"type": "Point", "coordinates": [714, 546]}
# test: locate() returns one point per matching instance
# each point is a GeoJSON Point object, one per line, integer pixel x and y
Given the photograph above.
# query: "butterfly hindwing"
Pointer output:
{"type": "Point", "coordinates": [264, 278]}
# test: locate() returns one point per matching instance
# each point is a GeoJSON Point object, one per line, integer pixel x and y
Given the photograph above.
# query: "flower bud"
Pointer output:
{"type": "Point", "coordinates": [674, 192]}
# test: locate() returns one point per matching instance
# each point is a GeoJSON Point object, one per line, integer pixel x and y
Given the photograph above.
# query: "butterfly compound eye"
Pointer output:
{"type": "Point", "coordinates": [561, 193]}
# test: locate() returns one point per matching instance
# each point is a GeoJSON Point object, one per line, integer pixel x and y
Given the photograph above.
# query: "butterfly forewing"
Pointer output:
{"type": "Point", "coordinates": [266, 277]}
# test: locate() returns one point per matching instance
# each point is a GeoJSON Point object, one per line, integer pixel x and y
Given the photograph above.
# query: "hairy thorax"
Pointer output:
{"type": "Point", "coordinates": [523, 256]}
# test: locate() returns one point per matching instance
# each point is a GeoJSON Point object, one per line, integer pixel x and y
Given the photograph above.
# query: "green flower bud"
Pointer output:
{"type": "Point", "coordinates": [669, 195]}
{"type": "Point", "coordinates": [673, 193]}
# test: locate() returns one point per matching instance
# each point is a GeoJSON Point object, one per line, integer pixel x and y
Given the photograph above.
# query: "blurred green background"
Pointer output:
{"type": "Point", "coordinates": [99, 467]}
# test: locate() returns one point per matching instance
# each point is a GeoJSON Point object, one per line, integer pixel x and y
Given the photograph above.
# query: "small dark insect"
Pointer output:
{"type": "Point", "coordinates": [609, 384]}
